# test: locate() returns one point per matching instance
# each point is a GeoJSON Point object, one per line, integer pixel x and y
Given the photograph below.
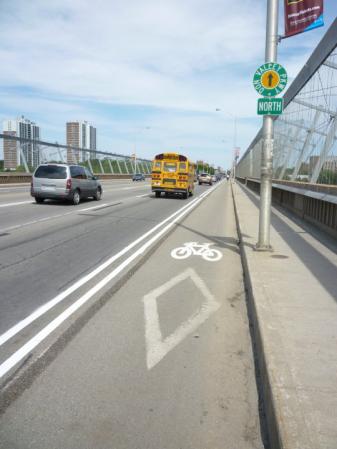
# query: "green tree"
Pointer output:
{"type": "Point", "coordinates": [327, 177]}
{"type": "Point", "coordinates": [21, 169]}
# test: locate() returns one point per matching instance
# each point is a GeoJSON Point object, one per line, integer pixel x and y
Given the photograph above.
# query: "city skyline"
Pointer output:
{"type": "Point", "coordinates": [79, 134]}
{"type": "Point", "coordinates": [26, 154]}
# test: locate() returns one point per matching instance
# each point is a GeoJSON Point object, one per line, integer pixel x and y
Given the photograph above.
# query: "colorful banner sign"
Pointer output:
{"type": "Point", "coordinates": [302, 15]}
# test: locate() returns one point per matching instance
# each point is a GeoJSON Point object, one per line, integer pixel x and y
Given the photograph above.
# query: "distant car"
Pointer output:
{"type": "Point", "coordinates": [138, 177]}
{"type": "Point", "coordinates": [205, 178]}
{"type": "Point", "coordinates": [214, 178]}
{"type": "Point", "coordinates": [64, 182]}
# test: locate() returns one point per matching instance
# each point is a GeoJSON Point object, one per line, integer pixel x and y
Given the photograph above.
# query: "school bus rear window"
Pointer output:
{"type": "Point", "coordinates": [170, 167]}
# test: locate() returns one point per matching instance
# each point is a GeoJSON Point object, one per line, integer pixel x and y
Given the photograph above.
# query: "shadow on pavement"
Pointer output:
{"type": "Point", "coordinates": [320, 266]}
{"type": "Point", "coordinates": [229, 243]}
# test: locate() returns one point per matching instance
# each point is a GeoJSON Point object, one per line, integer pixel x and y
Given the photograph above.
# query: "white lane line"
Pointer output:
{"type": "Point", "coordinates": [61, 296]}
{"type": "Point", "coordinates": [141, 196]}
{"type": "Point", "coordinates": [147, 186]}
{"type": "Point", "coordinates": [95, 207]}
{"type": "Point", "coordinates": [50, 217]}
{"type": "Point", "coordinates": [18, 355]}
{"type": "Point", "coordinates": [14, 189]}
{"type": "Point", "coordinates": [124, 186]}
{"type": "Point", "coordinates": [132, 188]}
{"type": "Point", "coordinates": [16, 204]}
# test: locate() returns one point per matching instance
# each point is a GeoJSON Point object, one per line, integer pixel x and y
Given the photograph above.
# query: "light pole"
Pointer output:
{"type": "Point", "coordinates": [135, 166]}
{"type": "Point", "coordinates": [234, 138]}
{"type": "Point", "coordinates": [263, 243]}
{"type": "Point", "coordinates": [136, 138]}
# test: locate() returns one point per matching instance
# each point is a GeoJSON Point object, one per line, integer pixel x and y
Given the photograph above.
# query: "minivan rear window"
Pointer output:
{"type": "Point", "coordinates": [51, 172]}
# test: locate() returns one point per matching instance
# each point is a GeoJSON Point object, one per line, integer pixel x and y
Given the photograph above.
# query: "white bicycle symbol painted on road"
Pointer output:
{"type": "Point", "coordinates": [197, 249]}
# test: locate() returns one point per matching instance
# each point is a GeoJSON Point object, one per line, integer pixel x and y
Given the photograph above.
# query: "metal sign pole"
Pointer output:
{"type": "Point", "coordinates": [268, 135]}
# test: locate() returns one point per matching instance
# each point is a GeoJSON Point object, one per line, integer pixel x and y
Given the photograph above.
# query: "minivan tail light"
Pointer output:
{"type": "Point", "coordinates": [68, 185]}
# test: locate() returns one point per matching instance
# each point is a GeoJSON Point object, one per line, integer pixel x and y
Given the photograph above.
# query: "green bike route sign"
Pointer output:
{"type": "Point", "coordinates": [270, 79]}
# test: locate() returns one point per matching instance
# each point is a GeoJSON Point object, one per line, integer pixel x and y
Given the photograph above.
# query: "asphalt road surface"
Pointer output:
{"type": "Point", "coordinates": [162, 361]}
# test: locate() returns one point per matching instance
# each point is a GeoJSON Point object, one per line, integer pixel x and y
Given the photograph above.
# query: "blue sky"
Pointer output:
{"type": "Point", "coordinates": [148, 74]}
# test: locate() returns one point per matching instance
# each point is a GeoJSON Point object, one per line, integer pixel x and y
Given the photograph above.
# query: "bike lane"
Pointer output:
{"type": "Point", "coordinates": [167, 363]}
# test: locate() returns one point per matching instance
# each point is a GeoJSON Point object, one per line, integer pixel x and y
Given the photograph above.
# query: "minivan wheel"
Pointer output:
{"type": "Point", "coordinates": [39, 200]}
{"type": "Point", "coordinates": [98, 195]}
{"type": "Point", "coordinates": [76, 198]}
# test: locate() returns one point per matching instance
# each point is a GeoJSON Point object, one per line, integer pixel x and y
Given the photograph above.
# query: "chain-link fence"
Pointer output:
{"type": "Point", "coordinates": [305, 141]}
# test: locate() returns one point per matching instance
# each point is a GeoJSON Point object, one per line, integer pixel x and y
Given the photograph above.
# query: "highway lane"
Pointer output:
{"type": "Point", "coordinates": [9, 195]}
{"type": "Point", "coordinates": [40, 260]}
{"type": "Point", "coordinates": [166, 362]}
{"type": "Point", "coordinates": [17, 209]}
{"type": "Point", "coordinates": [53, 236]}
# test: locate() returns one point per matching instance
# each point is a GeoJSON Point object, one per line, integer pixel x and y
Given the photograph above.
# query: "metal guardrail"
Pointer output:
{"type": "Point", "coordinates": [327, 189]}
{"type": "Point", "coordinates": [67, 147]}
{"type": "Point", "coordinates": [314, 203]}
{"type": "Point", "coordinates": [29, 153]}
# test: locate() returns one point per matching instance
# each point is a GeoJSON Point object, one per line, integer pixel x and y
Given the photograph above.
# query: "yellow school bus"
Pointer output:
{"type": "Point", "coordinates": [172, 173]}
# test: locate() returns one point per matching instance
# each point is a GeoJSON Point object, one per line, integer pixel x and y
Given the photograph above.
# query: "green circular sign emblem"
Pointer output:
{"type": "Point", "coordinates": [270, 79]}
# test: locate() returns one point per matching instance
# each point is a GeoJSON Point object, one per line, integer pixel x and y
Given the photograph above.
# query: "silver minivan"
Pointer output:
{"type": "Point", "coordinates": [64, 182]}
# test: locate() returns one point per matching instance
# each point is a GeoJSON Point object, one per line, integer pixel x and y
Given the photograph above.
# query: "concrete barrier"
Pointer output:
{"type": "Point", "coordinates": [315, 203]}
{"type": "Point", "coordinates": [17, 178]}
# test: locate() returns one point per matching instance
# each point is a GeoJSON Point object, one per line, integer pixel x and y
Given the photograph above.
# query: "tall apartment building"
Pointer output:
{"type": "Point", "coordinates": [80, 135]}
{"type": "Point", "coordinates": [24, 128]}
{"type": "Point", "coordinates": [330, 163]}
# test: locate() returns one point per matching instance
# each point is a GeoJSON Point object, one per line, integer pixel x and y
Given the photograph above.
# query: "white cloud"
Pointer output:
{"type": "Point", "coordinates": [80, 59]}
{"type": "Point", "coordinates": [147, 52]}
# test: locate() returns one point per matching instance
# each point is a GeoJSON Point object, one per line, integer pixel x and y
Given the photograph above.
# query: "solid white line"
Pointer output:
{"type": "Point", "coordinates": [141, 196]}
{"type": "Point", "coordinates": [17, 356]}
{"type": "Point", "coordinates": [16, 204]}
{"type": "Point", "coordinates": [61, 296]}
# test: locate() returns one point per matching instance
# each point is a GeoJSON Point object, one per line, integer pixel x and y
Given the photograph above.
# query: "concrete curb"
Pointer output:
{"type": "Point", "coordinates": [264, 385]}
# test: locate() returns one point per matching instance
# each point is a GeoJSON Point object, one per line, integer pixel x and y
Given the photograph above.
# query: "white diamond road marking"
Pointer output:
{"type": "Point", "coordinates": [157, 347]}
